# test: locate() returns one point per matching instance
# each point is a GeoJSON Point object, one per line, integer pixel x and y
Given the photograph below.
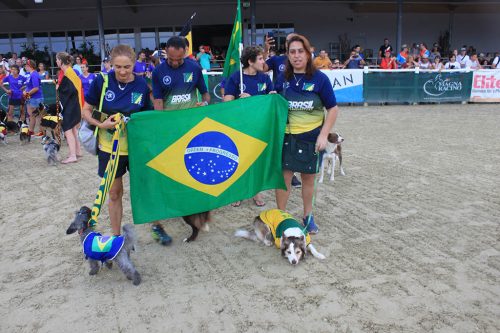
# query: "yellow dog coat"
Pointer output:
{"type": "Point", "coordinates": [279, 221]}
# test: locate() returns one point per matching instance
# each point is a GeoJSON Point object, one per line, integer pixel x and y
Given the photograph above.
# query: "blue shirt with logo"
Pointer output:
{"type": "Point", "coordinates": [140, 67]}
{"type": "Point", "coordinates": [177, 86]}
{"type": "Point", "coordinates": [15, 85]}
{"type": "Point", "coordinates": [277, 65]}
{"type": "Point", "coordinates": [124, 98]}
{"type": "Point", "coordinates": [307, 98]}
{"type": "Point", "coordinates": [259, 84]}
{"type": "Point", "coordinates": [86, 82]}
{"type": "Point", "coordinates": [33, 81]}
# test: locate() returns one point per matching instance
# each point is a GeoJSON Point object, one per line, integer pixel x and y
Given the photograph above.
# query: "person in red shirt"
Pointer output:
{"type": "Point", "coordinates": [388, 61]}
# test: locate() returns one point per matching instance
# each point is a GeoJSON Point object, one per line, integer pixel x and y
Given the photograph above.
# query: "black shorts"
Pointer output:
{"type": "Point", "coordinates": [15, 102]}
{"type": "Point", "coordinates": [103, 162]}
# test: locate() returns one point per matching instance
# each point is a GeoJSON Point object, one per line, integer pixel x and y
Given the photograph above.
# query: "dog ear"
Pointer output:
{"type": "Point", "coordinates": [71, 229]}
{"type": "Point", "coordinates": [303, 246]}
{"type": "Point", "coordinates": [283, 245]}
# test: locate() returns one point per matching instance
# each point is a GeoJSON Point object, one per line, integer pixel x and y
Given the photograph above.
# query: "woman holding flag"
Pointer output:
{"type": "Point", "coordinates": [308, 92]}
{"type": "Point", "coordinates": [117, 95]}
{"type": "Point", "coordinates": [71, 97]}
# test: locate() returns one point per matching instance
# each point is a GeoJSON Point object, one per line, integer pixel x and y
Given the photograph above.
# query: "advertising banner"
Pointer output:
{"type": "Point", "coordinates": [347, 84]}
{"type": "Point", "coordinates": [444, 86]}
{"type": "Point", "coordinates": [485, 86]}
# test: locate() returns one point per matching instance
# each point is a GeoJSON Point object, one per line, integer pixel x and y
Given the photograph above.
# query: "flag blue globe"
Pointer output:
{"type": "Point", "coordinates": [211, 158]}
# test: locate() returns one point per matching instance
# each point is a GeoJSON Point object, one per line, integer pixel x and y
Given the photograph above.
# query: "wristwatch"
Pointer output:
{"type": "Point", "coordinates": [205, 103]}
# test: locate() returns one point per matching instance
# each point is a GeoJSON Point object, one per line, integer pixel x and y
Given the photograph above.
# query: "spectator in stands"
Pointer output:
{"type": "Point", "coordinates": [424, 51]}
{"type": "Point", "coordinates": [336, 64]}
{"type": "Point", "coordinates": [453, 63]}
{"type": "Point", "coordinates": [322, 61]}
{"type": "Point", "coordinates": [5, 63]}
{"type": "Point", "coordinates": [424, 62]}
{"type": "Point", "coordinates": [462, 58]}
{"type": "Point", "coordinates": [388, 61]}
{"type": "Point", "coordinates": [357, 48]}
{"type": "Point", "coordinates": [383, 48]}
{"type": "Point", "coordinates": [106, 66]}
{"type": "Point", "coordinates": [496, 61]}
{"type": "Point", "coordinates": [140, 64]}
{"type": "Point", "coordinates": [313, 52]}
{"type": "Point", "coordinates": [471, 49]}
{"type": "Point", "coordinates": [354, 61]}
{"type": "Point", "coordinates": [3, 73]}
{"type": "Point", "coordinates": [42, 73]}
{"type": "Point", "coordinates": [410, 63]}
{"type": "Point", "coordinates": [204, 57]}
{"type": "Point", "coordinates": [22, 71]}
{"type": "Point", "coordinates": [402, 57]}
{"type": "Point", "coordinates": [415, 50]}
{"type": "Point", "coordinates": [77, 67]}
{"type": "Point", "coordinates": [473, 62]}
{"type": "Point", "coordinates": [13, 59]}
{"type": "Point", "coordinates": [437, 64]}
{"type": "Point", "coordinates": [435, 53]}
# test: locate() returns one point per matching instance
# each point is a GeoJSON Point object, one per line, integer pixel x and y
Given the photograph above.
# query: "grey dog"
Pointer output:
{"type": "Point", "coordinates": [50, 147]}
{"type": "Point", "coordinates": [122, 258]}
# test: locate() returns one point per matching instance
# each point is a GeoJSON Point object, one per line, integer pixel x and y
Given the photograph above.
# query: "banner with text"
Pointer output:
{"type": "Point", "coordinates": [347, 85]}
{"type": "Point", "coordinates": [485, 86]}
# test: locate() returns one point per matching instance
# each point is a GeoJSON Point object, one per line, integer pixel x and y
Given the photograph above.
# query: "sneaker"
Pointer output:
{"type": "Point", "coordinates": [296, 182]}
{"type": "Point", "coordinates": [311, 227]}
{"type": "Point", "coordinates": [40, 134]}
{"type": "Point", "coordinates": [160, 235]}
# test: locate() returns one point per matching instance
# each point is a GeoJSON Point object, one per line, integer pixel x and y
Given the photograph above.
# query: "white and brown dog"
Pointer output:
{"type": "Point", "coordinates": [278, 227]}
{"type": "Point", "coordinates": [332, 152]}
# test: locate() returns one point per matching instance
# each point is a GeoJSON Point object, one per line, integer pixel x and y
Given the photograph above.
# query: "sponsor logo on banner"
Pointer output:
{"type": "Point", "coordinates": [486, 86]}
{"type": "Point", "coordinates": [439, 86]}
{"type": "Point", "coordinates": [347, 84]}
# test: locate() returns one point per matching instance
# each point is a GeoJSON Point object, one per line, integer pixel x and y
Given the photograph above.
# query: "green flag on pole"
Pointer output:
{"type": "Point", "coordinates": [194, 160]}
{"type": "Point", "coordinates": [232, 63]}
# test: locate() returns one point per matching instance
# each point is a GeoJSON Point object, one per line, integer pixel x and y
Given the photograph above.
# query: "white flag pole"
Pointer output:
{"type": "Point", "coordinates": [241, 68]}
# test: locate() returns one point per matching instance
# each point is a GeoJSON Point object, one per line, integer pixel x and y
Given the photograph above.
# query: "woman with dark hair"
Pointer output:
{"type": "Point", "coordinates": [33, 94]}
{"type": "Point", "coordinates": [308, 92]}
{"type": "Point", "coordinates": [86, 78]}
{"type": "Point", "coordinates": [71, 97]}
{"type": "Point", "coordinates": [121, 85]}
{"type": "Point", "coordinates": [42, 73]}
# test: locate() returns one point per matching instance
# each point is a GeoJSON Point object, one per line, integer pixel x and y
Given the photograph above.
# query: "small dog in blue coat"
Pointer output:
{"type": "Point", "coordinates": [106, 248]}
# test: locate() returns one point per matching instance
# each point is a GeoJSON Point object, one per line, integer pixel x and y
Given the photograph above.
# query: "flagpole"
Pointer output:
{"type": "Point", "coordinates": [241, 68]}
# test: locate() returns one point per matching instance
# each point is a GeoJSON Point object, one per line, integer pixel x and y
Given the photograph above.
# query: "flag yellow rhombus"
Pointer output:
{"type": "Point", "coordinates": [209, 158]}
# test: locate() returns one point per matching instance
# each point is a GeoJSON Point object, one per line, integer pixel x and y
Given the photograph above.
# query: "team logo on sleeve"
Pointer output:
{"type": "Point", "coordinates": [167, 80]}
{"type": "Point", "coordinates": [110, 96]}
{"type": "Point", "coordinates": [308, 86]}
{"type": "Point", "coordinates": [261, 86]}
{"type": "Point", "coordinates": [281, 68]}
{"type": "Point", "coordinates": [188, 77]}
{"type": "Point", "coordinates": [136, 98]}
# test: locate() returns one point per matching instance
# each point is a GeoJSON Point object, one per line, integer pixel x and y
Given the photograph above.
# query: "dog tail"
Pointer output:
{"type": "Point", "coordinates": [246, 234]}
{"type": "Point", "coordinates": [130, 236]}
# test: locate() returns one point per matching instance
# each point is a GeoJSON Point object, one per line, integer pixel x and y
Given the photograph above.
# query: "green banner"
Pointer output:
{"type": "Point", "coordinates": [410, 87]}
{"type": "Point", "coordinates": [189, 161]}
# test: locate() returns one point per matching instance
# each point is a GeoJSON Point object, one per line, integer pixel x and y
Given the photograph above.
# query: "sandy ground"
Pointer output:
{"type": "Point", "coordinates": [411, 235]}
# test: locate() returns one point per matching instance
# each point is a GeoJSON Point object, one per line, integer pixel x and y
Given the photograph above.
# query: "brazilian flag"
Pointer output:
{"type": "Point", "coordinates": [194, 160]}
{"type": "Point", "coordinates": [232, 62]}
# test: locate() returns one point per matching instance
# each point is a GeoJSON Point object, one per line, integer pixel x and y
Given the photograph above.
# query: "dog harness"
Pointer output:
{"type": "Point", "coordinates": [279, 221]}
{"type": "Point", "coordinates": [25, 130]}
{"type": "Point", "coordinates": [103, 248]}
{"type": "Point", "coordinates": [3, 129]}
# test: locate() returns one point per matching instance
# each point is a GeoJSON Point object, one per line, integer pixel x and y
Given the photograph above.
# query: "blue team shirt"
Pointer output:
{"type": "Point", "coordinates": [277, 65]}
{"type": "Point", "coordinates": [86, 82]}
{"type": "Point", "coordinates": [259, 84]}
{"type": "Point", "coordinates": [177, 86]}
{"type": "Point", "coordinates": [133, 98]}
{"type": "Point", "coordinates": [307, 98]}
{"type": "Point", "coordinates": [140, 67]}
{"type": "Point", "coordinates": [15, 85]}
{"type": "Point", "coordinates": [33, 81]}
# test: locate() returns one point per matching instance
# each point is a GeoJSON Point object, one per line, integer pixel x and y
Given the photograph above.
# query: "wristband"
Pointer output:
{"type": "Point", "coordinates": [205, 103]}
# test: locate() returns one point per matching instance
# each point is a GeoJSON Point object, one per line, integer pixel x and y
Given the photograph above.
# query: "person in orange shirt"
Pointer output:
{"type": "Point", "coordinates": [388, 61]}
{"type": "Point", "coordinates": [322, 61]}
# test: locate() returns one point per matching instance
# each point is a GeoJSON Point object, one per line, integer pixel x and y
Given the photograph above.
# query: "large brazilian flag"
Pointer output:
{"type": "Point", "coordinates": [189, 161]}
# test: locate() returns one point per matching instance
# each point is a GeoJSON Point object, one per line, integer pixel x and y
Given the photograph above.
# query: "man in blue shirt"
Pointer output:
{"type": "Point", "coordinates": [176, 83]}
{"type": "Point", "coordinates": [255, 82]}
{"type": "Point", "coordinates": [275, 63]}
{"type": "Point", "coordinates": [140, 66]}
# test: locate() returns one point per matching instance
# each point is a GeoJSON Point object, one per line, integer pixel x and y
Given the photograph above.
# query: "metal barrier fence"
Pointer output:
{"type": "Point", "coordinates": [377, 86]}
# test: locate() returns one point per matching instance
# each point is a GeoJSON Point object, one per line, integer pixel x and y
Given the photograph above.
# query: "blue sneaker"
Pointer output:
{"type": "Point", "coordinates": [160, 235]}
{"type": "Point", "coordinates": [311, 227]}
{"type": "Point", "coordinates": [296, 182]}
